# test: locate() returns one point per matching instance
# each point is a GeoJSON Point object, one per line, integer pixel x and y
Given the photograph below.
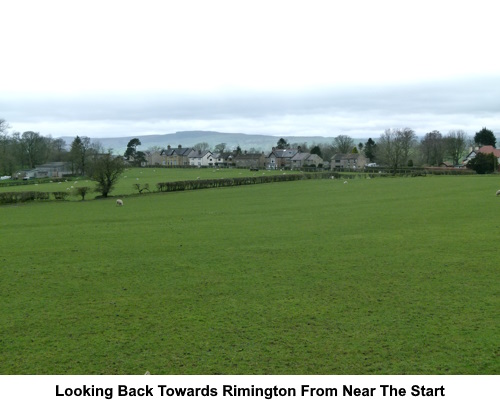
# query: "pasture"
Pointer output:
{"type": "Point", "coordinates": [141, 176]}
{"type": "Point", "coordinates": [380, 276]}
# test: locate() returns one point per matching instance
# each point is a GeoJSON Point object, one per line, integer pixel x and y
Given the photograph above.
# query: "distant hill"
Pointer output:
{"type": "Point", "coordinates": [190, 138]}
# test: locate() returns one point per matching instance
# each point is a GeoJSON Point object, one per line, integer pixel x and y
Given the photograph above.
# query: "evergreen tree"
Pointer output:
{"type": "Point", "coordinates": [485, 137]}
{"type": "Point", "coordinates": [370, 148]}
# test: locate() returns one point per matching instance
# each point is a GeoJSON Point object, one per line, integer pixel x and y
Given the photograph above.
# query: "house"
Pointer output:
{"type": "Point", "coordinates": [177, 157]}
{"type": "Point", "coordinates": [305, 160]}
{"type": "Point", "coordinates": [280, 158]}
{"type": "Point", "coordinates": [200, 158]}
{"type": "Point", "coordinates": [250, 160]}
{"type": "Point", "coordinates": [314, 159]}
{"type": "Point", "coordinates": [349, 161]}
{"type": "Point", "coordinates": [483, 149]}
{"type": "Point", "coordinates": [224, 159]}
{"type": "Point", "coordinates": [52, 170]}
{"type": "Point", "coordinates": [154, 158]}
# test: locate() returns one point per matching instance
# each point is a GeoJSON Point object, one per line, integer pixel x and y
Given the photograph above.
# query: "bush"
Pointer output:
{"type": "Point", "coordinates": [60, 195]}
{"type": "Point", "coordinates": [483, 163]}
{"type": "Point", "coordinates": [82, 192]}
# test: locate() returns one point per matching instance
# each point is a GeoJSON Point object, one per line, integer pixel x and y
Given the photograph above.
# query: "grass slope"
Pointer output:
{"type": "Point", "coordinates": [381, 276]}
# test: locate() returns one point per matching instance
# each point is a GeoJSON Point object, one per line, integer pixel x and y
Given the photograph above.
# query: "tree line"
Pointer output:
{"type": "Point", "coordinates": [394, 148]}
{"type": "Point", "coordinates": [400, 147]}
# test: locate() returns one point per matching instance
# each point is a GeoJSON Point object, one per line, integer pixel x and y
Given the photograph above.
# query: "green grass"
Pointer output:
{"type": "Point", "coordinates": [131, 176]}
{"type": "Point", "coordinates": [381, 276]}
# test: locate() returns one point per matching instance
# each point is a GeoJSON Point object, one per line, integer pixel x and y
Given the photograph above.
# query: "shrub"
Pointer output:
{"type": "Point", "coordinates": [60, 195]}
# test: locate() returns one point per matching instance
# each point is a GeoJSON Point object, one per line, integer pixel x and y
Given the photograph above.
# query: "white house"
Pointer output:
{"type": "Point", "coordinates": [200, 158]}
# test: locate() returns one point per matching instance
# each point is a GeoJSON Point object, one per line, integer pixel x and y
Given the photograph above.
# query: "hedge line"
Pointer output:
{"type": "Point", "coordinates": [10, 183]}
{"type": "Point", "coordinates": [237, 181]}
{"type": "Point", "coordinates": [24, 196]}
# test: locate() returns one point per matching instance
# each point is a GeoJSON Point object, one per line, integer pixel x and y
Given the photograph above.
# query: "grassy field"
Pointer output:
{"type": "Point", "coordinates": [380, 276]}
{"type": "Point", "coordinates": [132, 176]}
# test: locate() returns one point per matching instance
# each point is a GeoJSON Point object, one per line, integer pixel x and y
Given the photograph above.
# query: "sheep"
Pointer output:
{"type": "Point", "coordinates": [119, 203]}
{"type": "Point", "coordinates": [498, 192]}
{"type": "Point", "coordinates": [345, 182]}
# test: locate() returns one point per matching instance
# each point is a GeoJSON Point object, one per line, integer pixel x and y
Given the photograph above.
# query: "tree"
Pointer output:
{"type": "Point", "coordinates": [132, 154]}
{"type": "Point", "coordinates": [33, 148]}
{"type": "Point", "coordinates": [485, 137]}
{"type": "Point", "coordinates": [407, 138]}
{"type": "Point", "coordinates": [79, 153]}
{"type": "Point", "coordinates": [456, 145]}
{"type": "Point", "coordinates": [483, 163]}
{"type": "Point", "coordinates": [343, 144]}
{"type": "Point", "coordinates": [82, 192]}
{"type": "Point", "coordinates": [432, 148]}
{"type": "Point", "coordinates": [132, 148]}
{"type": "Point", "coordinates": [394, 147]}
{"type": "Point", "coordinates": [282, 144]}
{"type": "Point", "coordinates": [106, 170]}
{"type": "Point", "coordinates": [369, 149]}
{"type": "Point", "coordinates": [4, 126]}
{"type": "Point", "coordinates": [316, 150]}
{"type": "Point", "coordinates": [57, 150]}
{"type": "Point", "coordinates": [7, 150]}
{"type": "Point", "coordinates": [301, 147]}
{"type": "Point", "coordinates": [201, 146]}
{"type": "Point", "coordinates": [220, 148]}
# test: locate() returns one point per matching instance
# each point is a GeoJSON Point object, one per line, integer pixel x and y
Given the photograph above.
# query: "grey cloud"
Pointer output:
{"type": "Point", "coordinates": [343, 109]}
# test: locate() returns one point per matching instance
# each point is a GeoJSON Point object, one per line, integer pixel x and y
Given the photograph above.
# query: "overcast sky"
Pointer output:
{"type": "Point", "coordinates": [356, 67]}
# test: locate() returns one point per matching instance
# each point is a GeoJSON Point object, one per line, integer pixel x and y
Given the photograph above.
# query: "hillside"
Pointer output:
{"type": "Point", "coordinates": [190, 138]}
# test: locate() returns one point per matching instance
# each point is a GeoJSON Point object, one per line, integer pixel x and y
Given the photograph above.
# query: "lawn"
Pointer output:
{"type": "Point", "coordinates": [379, 276]}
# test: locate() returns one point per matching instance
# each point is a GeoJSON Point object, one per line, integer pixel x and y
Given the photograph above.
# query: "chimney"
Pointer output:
{"type": "Point", "coordinates": [168, 147]}
{"type": "Point", "coordinates": [180, 146]}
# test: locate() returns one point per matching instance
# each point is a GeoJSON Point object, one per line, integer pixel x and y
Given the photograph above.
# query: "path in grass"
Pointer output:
{"type": "Point", "coordinates": [384, 276]}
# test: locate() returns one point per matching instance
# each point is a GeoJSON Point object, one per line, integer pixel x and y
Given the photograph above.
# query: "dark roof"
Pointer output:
{"type": "Point", "coordinates": [301, 156]}
{"type": "Point", "coordinates": [176, 151]}
{"type": "Point", "coordinates": [198, 153]}
{"type": "Point", "coordinates": [284, 153]}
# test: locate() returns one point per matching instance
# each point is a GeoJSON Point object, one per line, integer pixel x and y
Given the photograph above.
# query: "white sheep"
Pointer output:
{"type": "Point", "coordinates": [498, 192]}
{"type": "Point", "coordinates": [345, 182]}
{"type": "Point", "coordinates": [119, 203]}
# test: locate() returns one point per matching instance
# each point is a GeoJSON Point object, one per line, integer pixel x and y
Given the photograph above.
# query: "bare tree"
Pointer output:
{"type": "Point", "coordinates": [33, 147]}
{"type": "Point", "coordinates": [201, 146]}
{"type": "Point", "coordinates": [432, 148]}
{"type": "Point", "coordinates": [456, 145]}
{"type": "Point", "coordinates": [4, 126]}
{"type": "Point", "coordinates": [343, 144]}
{"type": "Point", "coordinates": [394, 147]}
{"type": "Point", "coordinates": [408, 139]}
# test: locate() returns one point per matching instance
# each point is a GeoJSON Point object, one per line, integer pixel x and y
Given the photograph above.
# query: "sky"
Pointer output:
{"type": "Point", "coordinates": [111, 68]}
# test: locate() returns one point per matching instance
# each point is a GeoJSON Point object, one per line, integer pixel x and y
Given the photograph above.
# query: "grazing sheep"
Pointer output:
{"type": "Point", "coordinates": [498, 192]}
{"type": "Point", "coordinates": [345, 182]}
{"type": "Point", "coordinates": [119, 203]}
